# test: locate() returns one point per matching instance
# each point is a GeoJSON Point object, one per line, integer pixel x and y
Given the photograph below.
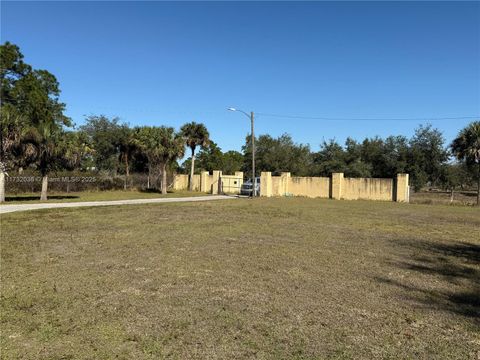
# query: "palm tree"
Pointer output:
{"type": "Point", "coordinates": [127, 145]}
{"type": "Point", "coordinates": [172, 148]}
{"type": "Point", "coordinates": [466, 147]}
{"type": "Point", "coordinates": [76, 151]}
{"type": "Point", "coordinates": [194, 135]}
{"type": "Point", "coordinates": [42, 142]}
{"type": "Point", "coordinates": [161, 146]}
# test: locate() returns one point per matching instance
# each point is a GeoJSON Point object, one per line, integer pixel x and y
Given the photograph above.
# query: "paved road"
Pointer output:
{"type": "Point", "coordinates": [24, 207]}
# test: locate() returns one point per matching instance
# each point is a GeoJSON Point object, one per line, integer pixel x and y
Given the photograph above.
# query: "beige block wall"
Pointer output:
{"type": "Point", "coordinates": [196, 182]}
{"type": "Point", "coordinates": [367, 189]}
{"type": "Point", "coordinates": [180, 182]}
{"type": "Point", "coordinates": [207, 183]}
{"type": "Point", "coordinates": [276, 186]}
{"type": "Point", "coordinates": [266, 184]}
{"type": "Point", "coordinates": [215, 181]}
{"type": "Point", "coordinates": [309, 186]}
{"type": "Point", "coordinates": [231, 183]}
{"type": "Point", "coordinates": [402, 188]}
{"type": "Point", "coordinates": [336, 187]}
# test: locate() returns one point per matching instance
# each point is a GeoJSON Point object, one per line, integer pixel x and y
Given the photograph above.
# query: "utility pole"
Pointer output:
{"type": "Point", "coordinates": [254, 179]}
{"type": "Point", "coordinates": [251, 116]}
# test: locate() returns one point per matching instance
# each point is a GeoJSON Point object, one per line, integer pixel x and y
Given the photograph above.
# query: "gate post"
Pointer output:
{"type": "Point", "coordinates": [401, 188]}
{"type": "Point", "coordinates": [336, 186]}
{"type": "Point", "coordinates": [266, 184]}
{"type": "Point", "coordinates": [217, 174]}
{"type": "Point", "coordinates": [203, 181]}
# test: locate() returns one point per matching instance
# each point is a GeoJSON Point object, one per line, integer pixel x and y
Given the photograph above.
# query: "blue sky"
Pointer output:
{"type": "Point", "coordinates": [161, 63]}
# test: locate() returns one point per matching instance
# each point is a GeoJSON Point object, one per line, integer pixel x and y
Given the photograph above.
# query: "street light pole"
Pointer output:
{"type": "Point", "coordinates": [251, 117]}
{"type": "Point", "coordinates": [253, 157]}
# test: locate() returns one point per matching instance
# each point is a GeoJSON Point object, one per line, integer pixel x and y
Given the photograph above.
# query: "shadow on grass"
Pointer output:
{"type": "Point", "coordinates": [456, 265]}
{"type": "Point", "coordinates": [154, 191]}
{"type": "Point", "coordinates": [31, 198]}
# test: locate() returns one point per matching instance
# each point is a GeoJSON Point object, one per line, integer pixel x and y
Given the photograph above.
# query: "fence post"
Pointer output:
{"type": "Point", "coordinates": [336, 186]}
{"type": "Point", "coordinates": [266, 184]}
{"type": "Point", "coordinates": [401, 188]}
{"type": "Point", "coordinates": [217, 174]}
{"type": "Point", "coordinates": [203, 181]}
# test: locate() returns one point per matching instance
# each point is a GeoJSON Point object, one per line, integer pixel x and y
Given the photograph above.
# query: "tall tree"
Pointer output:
{"type": "Point", "coordinates": [466, 147]}
{"type": "Point", "coordinates": [277, 155]}
{"type": "Point", "coordinates": [232, 161]}
{"type": "Point", "coordinates": [12, 121]}
{"type": "Point", "coordinates": [34, 94]}
{"type": "Point", "coordinates": [194, 135]}
{"type": "Point", "coordinates": [45, 138]}
{"type": "Point", "coordinates": [104, 134]}
{"type": "Point", "coordinates": [162, 147]}
{"type": "Point", "coordinates": [212, 158]}
{"type": "Point", "coordinates": [330, 158]}
{"type": "Point", "coordinates": [127, 145]}
{"type": "Point", "coordinates": [209, 158]}
{"type": "Point", "coordinates": [427, 156]}
{"type": "Point", "coordinates": [76, 151]}
{"type": "Point", "coordinates": [12, 132]}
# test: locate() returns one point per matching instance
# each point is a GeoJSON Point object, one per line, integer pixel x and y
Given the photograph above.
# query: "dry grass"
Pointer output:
{"type": "Point", "coordinates": [464, 198]}
{"type": "Point", "coordinates": [266, 278]}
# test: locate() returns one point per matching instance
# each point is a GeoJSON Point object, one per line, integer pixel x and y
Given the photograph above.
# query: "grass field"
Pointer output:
{"type": "Point", "coordinates": [465, 198]}
{"type": "Point", "coordinates": [284, 278]}
{"type": "Point", "coordinates": [31, 198]}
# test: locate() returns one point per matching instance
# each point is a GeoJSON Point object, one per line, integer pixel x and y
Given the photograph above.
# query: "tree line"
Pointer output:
{"type": "Point", "coordinates": [36, 134]}
{"type": "Point", "coordinates": [426, 156]}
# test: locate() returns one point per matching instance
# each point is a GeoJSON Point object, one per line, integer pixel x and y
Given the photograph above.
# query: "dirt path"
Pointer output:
{"type": "Point", "coordinates": [24, 207]}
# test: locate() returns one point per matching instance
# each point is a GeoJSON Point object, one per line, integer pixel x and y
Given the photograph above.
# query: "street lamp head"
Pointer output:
{"type": "Point", "coordinates": [232, 109]}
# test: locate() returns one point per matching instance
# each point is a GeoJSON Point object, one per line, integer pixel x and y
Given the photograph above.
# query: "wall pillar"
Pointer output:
{"type": "Point", "coordinates": [284, 190]}
{"type": "Point", "coordinates": [266, 184]}
{"type": "Point", "coordinates": [203, 181]}
{"type": "Point", "coordinates": [402, 188]}
{"type": "Point", "coordinates": [336, 186]}
{"type": "Point", "coordinates": [216, 185]}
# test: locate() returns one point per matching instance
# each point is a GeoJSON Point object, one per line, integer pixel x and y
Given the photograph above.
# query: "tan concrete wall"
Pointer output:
{"type": "Point", "coordinates": [207, 183]}
{"type": "Point", "coordinates": [215, 181]}
{"type": "Point", "coordinates": [336, 187]}
{"type": "Point", "coordinates": [336, 184]}
{"type": "Point", "coordinates": [196, 182]}
{"type": "Point", "coordinates": [180, 182]}
{"type": "Point", "coordinates": [266, 184]}
{"type": "Point", "coordinates": [231, 183]}
{"type": "Point", "coordinates": [310, 186]}
{"type": "Point", "coordinates": [276, 186]}
{"type": "Point", "coordinates": [367, 189]}
{"type": "Point", "coordinates": [402, 189]}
